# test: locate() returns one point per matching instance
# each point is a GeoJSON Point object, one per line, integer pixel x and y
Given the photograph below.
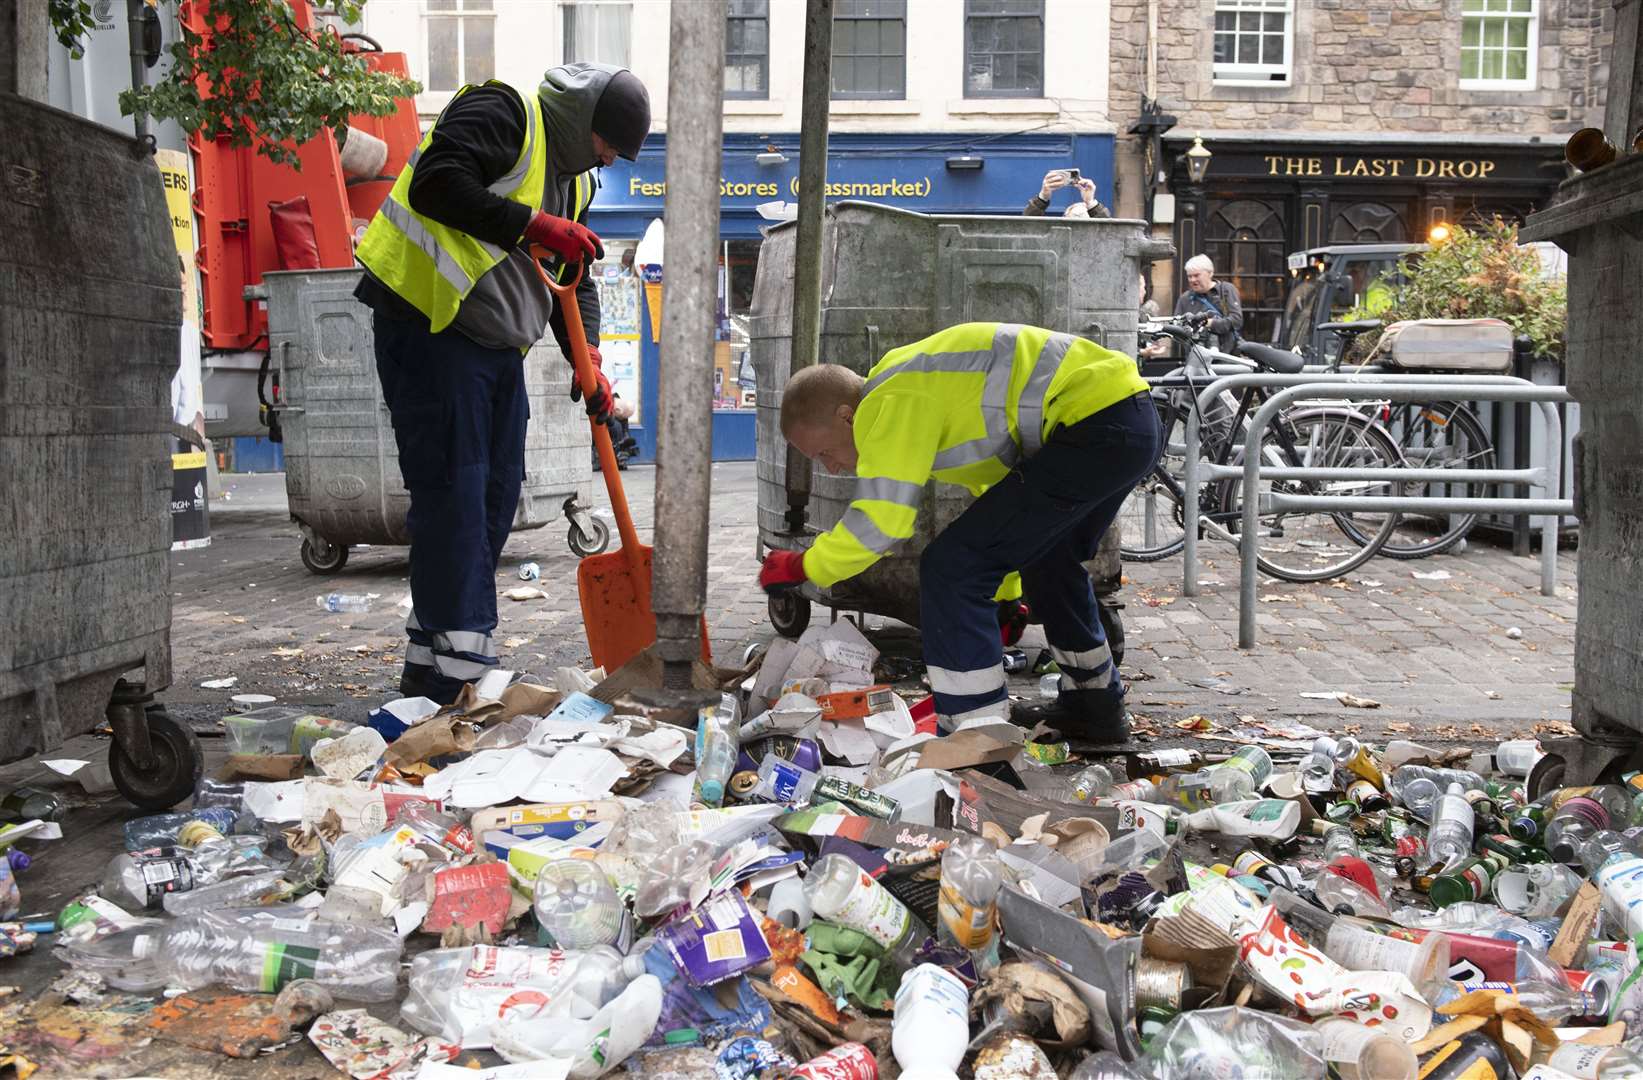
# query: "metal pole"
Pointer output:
{"type": "Point", "coordinates": [807, 263]}
{"type": "Point", "coordinates": [684, 439]}
{"type": "Point", "coordinates": [1550, 488]}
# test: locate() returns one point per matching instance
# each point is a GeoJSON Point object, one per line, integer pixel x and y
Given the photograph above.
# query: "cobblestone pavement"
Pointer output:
{"type": "Point", "coordinates": [1436, 654]}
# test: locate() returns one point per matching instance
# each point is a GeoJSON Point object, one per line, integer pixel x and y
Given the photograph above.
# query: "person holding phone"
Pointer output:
{"type": "Point", "coordinates": [1054, 181]}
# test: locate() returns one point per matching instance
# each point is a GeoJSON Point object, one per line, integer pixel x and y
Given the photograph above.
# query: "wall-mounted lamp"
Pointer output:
{"type": "Point", "coordinates": [1197, 160]}
{"type": "Point", "coordinates": [966, 162]}
{"type": "Point", "coordinates": [771, 157]}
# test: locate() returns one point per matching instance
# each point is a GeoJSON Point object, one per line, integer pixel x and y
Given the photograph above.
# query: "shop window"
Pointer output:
{"type": "Point", "coordinates": [1254, 41]}
{"type": "Point", "coordinates": [870, 49]}
{"type": "Point", "coordinates": [597, 32]}
{"type": "Point", "coordinates": [1498, 39]}
{"type": "Point", "coordinates": [460, 37]}
{"type": "Point", "coordinates": [747, 49]}
{"type": "Point", "coordinates": [1004, 48]}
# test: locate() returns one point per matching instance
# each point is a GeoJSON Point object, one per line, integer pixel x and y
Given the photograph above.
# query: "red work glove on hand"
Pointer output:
{"type": "Point", "coordinates": [1012, 621]}
{"type": "Point", "coordinates": [599, 403]}
{"type": "Point", "coordinates": [565, 238]}
{"type": "Point", "coordinates": [782, 570]}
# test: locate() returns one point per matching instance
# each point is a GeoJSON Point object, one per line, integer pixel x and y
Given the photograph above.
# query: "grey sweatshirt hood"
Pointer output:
{"type": "Point", "coordinates": [569, 94]}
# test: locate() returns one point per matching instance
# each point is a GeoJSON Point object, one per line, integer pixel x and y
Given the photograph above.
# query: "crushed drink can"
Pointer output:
{"type": "Point", "coordinates": [1015, 661]}
{"type": "Point", "coordinates": [871, 803]}
{"type": "Point", "coordinates": [847, 1061]}
{"type": "Point", "coordinates": [530, 572]}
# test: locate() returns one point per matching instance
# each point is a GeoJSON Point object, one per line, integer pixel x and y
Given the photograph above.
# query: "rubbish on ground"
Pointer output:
{"type": "Point", "coordinates": [352, 603]}
{"type": "Point", "coordinates": [793, 875]}
{"type": "Point", "coordinates": [219, 684]}
{"type": "Point", "coordinates": [525, 592]}
{"type": "Point", "coordinates": [1351, 701]}
{"type": "Point", "coordinates": [93, 777]}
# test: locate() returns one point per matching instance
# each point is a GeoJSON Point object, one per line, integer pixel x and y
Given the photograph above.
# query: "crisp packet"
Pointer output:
{"type": "Point", "coordinates": [719, 939]}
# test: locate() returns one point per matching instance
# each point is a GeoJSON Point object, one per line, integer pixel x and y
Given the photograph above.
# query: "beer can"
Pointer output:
{"type": "Point", "coordinates": [1160, 983]}
{"type": "Point", "coordinates": [1015, 661]}
{"type": "Point", "coordinates": [530, 572]}
{"type": "Point", "coordinates": [871, 803]}
{"type": "Point", "coordinates": [847, 1061]}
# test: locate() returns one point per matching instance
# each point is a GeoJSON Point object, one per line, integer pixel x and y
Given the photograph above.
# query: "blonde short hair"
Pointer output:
{"type": "Point", "coordinates": [814, 393]}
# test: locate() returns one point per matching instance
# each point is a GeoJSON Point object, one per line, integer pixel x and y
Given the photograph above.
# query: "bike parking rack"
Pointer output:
{"type": "Point", "coordinates": [1324, 382]}
{"type": "Point", "coordinates": [1445, 388]}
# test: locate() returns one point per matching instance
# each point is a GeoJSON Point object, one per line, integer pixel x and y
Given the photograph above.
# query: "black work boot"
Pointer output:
{"type": "Point", "coordinates": [420, 680]}
{"type": "Point", "coordinates": [1092, 716]}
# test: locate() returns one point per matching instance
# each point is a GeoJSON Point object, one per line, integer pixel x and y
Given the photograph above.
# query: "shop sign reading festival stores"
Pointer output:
{"type": "Point", "coordinates": [893, 188]}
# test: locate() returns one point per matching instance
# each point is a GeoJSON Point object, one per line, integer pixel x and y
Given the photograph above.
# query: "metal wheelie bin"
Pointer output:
{"type": "Point", "coordinates": [342, 478]}
{"type": "Point", "coordinates": [892, 276]}
{"type": "Point", "coordinates": [90, 311]}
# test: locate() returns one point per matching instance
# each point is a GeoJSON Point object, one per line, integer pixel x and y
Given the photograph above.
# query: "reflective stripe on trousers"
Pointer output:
{"type": "Point", "coordinates": [464, 655]}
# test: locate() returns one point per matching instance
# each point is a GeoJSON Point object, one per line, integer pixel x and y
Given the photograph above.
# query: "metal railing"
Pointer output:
{"type": "Point", "coordinates": [1440, 388]}
{"type": "Point", "coordinates": [1324, 383]}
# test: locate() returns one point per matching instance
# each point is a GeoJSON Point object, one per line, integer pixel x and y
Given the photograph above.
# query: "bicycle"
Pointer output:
{"type": "Point", "coordinates": [1298, 546]}
{"type": "Point", "coordinates": [1435, 434]}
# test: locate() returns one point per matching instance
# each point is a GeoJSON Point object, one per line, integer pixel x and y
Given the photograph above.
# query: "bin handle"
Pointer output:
{"type": "Point", "coordinates": [872, 333]}
{"type": "Point", "coordinates": [1097, 326]}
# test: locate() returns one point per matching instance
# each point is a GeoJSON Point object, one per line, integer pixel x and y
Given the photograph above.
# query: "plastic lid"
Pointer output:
{"type": "Point", "coordinates": [713, 791]}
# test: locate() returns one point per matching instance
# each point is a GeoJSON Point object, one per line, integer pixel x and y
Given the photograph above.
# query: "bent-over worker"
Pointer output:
{"type": "Point", "coordinates": [1050, 431]}
{"type": "Point", "coordinates": [456, 305]}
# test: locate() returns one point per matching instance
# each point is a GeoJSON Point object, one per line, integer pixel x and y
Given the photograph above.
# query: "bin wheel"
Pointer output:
{"type": "Point", "coordinates": [178, 764]}
{"type": "Point", "coordinates": [322, 557]}
{"type": "Point", "coordinates": [789, 612]}
{"type": "Point", "coordinates": [1546, 777]}
{"type": "Point", "coordinates": [1112, 624]}
{"type": "Point", "coordinates": [584, 544]}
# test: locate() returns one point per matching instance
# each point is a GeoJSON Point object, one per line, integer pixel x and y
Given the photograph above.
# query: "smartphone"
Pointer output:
{"type": "Point", "coordinates": [1072, 175]}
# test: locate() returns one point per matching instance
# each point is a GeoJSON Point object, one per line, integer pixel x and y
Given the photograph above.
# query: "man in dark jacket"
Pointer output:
{"type": "Point", "coordinates": [1218, 298]}
{"type": "Point", "coordinates": [1055, 180]}
{"type": "Point", "coordinates": [457, 303]}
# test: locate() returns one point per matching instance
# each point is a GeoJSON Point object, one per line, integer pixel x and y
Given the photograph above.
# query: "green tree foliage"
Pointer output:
{"type": "Point", "coordinates": [257, 78]}
{"type": "Point", "coordinates": [1482, 273]}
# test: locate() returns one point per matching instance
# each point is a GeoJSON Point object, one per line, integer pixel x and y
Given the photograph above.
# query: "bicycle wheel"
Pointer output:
{"type": "Point", "coordinates": [1151, 523]}
{"type": "Point", "coordinates": [1435, 435]}
{"type": "Point", "coordinates": [1316, 545]}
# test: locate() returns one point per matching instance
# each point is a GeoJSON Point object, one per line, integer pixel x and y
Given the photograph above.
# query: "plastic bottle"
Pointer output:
{"type": "Point", "coordinates": [1240, 776]}
{"type": "Point", "coordinates": [1607, 846]}
{"type": "Point", "coordinates": [1597, 1062]}
{"type": "Point", "coordinates": [784, 782]}
{"type": "Point", "coordinates": [349, 602]}
{"type": "Point", "coordinates": [1366, 1053]}
{"type": "Point", "coordinates": [716, 747]}
{"type": "Point", "coordinates": [141, 879]}
{"type": "Point", "coordinates": [1450, 838]}
{"type": "Point", "coordinates": [27, 804]}
{"type": "Point", "coordinates": [842, 892]}
{"type": "Point", "coordinates": [159, 830]}
{"type": "Point", "coordinates": [932, 1022]}
{"type": "Point", "coordinates": [1574, 823]}
{"type": "Point", "coordinates": [1535, 891]}
{"type": "Point", "coordinates": [247, 890]}
{"type": "Point", "coordinates": [971, 876]}
{"type": "Point", "coordinates": [229, 793]}
{"type": "Point", "coordinates": [1093, 782]}
{"type": "Point", "coordinates": [1344, 896]}
{"type": "Point", "coordinates": [789, 905]}
{"type": "Point", "coordinates": [595, 1044]}
{"type": "Point", "coordinates": [1419, 788]}
{"type": "Point", "coordinates": [1621, 883]}
{"type": "Point", "coordinates": [437, 826]}
{"type": "Point", "coordinates": [576, 904]}
{"type": "Point", "coordinates": [1049, 686]}
{"type": "Point", "coordinates": [1190, 791]}
{"type": "Point", "coordinates": [1339, 841]}
{"type": "Point", "coordinates": [1514, 757]}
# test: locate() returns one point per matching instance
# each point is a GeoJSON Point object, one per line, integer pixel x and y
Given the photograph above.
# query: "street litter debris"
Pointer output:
{"type": "Point", "coordinates": [792, 872]}
{"type": "Point", "coordinates": [1351, 701]}
{"type": "Point", "coordinates": [525, 592]}
{"type": "Point", "coordinates": [219, 684]}
{"type": "Point", "coordinates": [1514, 632]}
{"type": "Point", "coordinates": [1431, 575]}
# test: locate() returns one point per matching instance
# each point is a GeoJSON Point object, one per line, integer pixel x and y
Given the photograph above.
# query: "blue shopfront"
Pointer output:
{"type": "Point", "coordinates": [932, 173]}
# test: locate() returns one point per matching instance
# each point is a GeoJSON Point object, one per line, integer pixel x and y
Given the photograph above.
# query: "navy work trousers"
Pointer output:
{"type": "Point", "coordinates": [1045, 518]}
{"type": "Point", "coordinates": [459, 412]}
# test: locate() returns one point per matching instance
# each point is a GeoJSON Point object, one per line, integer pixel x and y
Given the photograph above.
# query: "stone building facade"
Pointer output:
{"type": "Point", "coordinates": [1342, 121]}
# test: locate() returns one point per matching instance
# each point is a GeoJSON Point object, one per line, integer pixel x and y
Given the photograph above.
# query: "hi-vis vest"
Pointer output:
{"type": "Point", "coordinates": [965, 406]}
{"type": "Point", "coordinates": [434, 267]}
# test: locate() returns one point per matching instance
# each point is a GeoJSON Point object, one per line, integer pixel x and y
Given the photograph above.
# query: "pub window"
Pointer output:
{"type": "Point", "coordinates": [1498, 39]}
{"type": "Point", "coordinates": [747, 49]}
{"type": "Point", "coordinates": [870, 49]}
{"type": "Point", "coordinates": [1254, 41]}
{"type": "Point", "coordinates": [1004, 48]}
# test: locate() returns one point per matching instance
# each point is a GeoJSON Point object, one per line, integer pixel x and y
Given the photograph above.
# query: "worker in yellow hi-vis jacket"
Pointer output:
{"type": "Point", "coordinates": [1050, 430]}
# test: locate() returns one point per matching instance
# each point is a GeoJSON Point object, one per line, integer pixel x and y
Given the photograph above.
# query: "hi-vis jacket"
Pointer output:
{"type": "Point", "coordinates": [435, 267]}
{"type": "Point", "coordinates": [965, 406]}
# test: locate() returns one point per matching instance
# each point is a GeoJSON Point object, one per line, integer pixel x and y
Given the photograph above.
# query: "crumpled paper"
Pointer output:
{"type": "Point", "coordinates": [1016, 985]}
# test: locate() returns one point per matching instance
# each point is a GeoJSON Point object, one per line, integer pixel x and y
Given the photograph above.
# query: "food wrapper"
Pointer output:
{"type": "Point", "coordinates": [431, 739]}
{"type": "Point", "coordinates": [1286, 965]}
{"type": "Point", "coordinates": [718, 940]}
{"type": "Point", "coordinates": [798, 988]}
{"type": "Point", "coordinates": [1015, 985]}
{"type": "Point", "coordinates": [469, 896]}
{"type": "Point", "coordinates": [366, 1048]}
{"type": "Point", "coordinates": [1502, 1017]}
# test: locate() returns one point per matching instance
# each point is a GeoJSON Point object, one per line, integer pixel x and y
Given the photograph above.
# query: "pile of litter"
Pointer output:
{"type": "Point", "coordinates": [792, 873]}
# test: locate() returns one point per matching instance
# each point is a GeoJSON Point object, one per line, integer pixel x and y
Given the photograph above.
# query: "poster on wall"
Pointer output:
{"type": "Point", "coordinates": [619, 336]}
{"type": "Point", "coordinates": [190, 514]}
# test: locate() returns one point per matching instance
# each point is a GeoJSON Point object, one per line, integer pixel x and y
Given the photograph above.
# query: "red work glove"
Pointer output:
{"type": "Point", "coordinates": [567, 239]}
{"type": "Point", "coordinates": [1012, 621]}
{"type": "Point", "coordinates": [782, 570]}
{"type": "Point", "coordinates": [599, 404]}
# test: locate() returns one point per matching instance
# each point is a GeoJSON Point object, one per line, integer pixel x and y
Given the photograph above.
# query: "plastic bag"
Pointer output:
{"type": "Point", "coordinates": [1233, 1041]}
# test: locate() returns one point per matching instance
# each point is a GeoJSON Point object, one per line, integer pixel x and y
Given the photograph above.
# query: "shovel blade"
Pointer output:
{"type": "Point", "coordinates": [615, 592]}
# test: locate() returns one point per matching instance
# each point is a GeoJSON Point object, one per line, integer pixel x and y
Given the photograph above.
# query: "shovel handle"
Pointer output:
{"type": "Point", "coordinates": [571, 311]}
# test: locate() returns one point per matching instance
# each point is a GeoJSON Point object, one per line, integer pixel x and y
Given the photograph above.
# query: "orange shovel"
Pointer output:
{"type": "Point", "coordinates": [614, 586]}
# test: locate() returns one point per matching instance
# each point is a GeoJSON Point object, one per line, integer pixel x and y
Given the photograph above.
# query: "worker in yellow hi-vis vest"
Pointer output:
{"type": "Point", "coordinates": [457, 303]}
{"type": "Point", "coordinates": [1052, 431]}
